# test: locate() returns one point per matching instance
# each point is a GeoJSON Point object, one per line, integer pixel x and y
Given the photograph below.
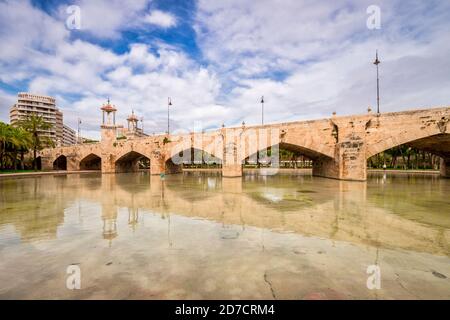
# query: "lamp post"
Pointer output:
{"type": "Point", "coordinates": [376, 63]}
{"type": "Point", "coordinates": [262, 110]}
{"type": "Point", "coordinates": [169, 103]}
{"type": "Point", "coordinates": [79, 131]}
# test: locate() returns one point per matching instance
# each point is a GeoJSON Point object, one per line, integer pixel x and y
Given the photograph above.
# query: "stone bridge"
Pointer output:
{"type": "Point", "coordinates": [338, 146]}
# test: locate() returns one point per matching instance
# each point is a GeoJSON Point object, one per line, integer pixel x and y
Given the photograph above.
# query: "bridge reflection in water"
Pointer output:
{"type": "Point", "coordinates": [198, 235]}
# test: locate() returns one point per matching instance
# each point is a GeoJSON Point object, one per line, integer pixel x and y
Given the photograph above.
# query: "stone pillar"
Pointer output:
{"type": "Point", "coordinates": [445, 167]}
{"type": "Point", "coordinates": [157, 163]}
{"type": "Point", "coordinates": [108, 163]}
{"type": "Point", "coordinates": [326, 167]}
{"type": "Point", "coordinates": [232, 162]}
{"type": "Point", "coordinates": [72, 163]}
{"type": "Point", "coordinates": [349, 161]}
{"type": "Point", "coordinates": [46, 163]}
{"type": "Point", "coordinates": [352, 158]}
{"type": "Point", "coordinates": [171, 168]}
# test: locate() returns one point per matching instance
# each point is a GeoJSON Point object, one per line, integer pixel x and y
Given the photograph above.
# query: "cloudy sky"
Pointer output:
{"type": "Point", "coordinates": [217, 58]}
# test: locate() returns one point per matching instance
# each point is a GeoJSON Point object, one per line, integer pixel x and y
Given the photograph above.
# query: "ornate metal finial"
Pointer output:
{"type": "Point", "coordinates": [376, 62]}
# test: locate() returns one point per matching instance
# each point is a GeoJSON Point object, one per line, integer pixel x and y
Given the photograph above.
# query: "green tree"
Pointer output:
{"type": "Point", "coordinates": [5, 141]}
{"type": "Point", "coordinates": [22, 141]}
{"type": "Point", "coordinates": [35, 125]}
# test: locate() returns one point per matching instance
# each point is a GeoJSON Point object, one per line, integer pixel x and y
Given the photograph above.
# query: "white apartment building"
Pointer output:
{"type": "Point", "coordinates": [69, 136]}
{"type": "Point", "coordinates": [45, 106]}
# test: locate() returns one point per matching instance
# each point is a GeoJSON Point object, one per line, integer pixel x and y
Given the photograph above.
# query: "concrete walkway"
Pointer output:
{"type": "Point", "coordinates": [404, 171]}
{"type": "Point", "coordinates": [43, 173]}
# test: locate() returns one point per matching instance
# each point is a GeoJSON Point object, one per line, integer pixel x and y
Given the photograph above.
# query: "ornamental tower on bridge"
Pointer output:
{"type": "Point", "coordinates": [108, 127]}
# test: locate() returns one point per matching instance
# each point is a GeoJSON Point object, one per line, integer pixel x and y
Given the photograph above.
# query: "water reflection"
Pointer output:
{"type": "Point", "coordinates": [401, 212]}
{"type": "Point", "coordinates": [197, 215]}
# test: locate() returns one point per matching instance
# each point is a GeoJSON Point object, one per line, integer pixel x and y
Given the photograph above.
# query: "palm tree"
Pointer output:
{"type": "Point", "coordinates": [22, 142]}
{"type": "Point", "coordinates": [35, 124]}
{"type": "Point", "coordinates": [5, 141]}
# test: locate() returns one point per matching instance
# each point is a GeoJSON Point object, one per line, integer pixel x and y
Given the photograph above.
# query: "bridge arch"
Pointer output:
{"type": "Point", "coordinates": [60, 163]}
{"type": "Point", "coordinates": [308, 153]}
{"type": "Point", "coordinates": [91, 162]}
{"type": "Point", "coordinates": [436, 143]}
{"type": "Point", "coordinates": [131, 161]}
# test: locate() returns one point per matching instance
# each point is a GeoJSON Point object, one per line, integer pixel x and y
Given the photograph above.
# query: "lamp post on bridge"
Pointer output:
{"type": "Point", "coordinates": [79, 131]}
{"type": "Point", "coordinates": [169, 103]}
{"type": "Point", "coordinates": [376, 63]}
{"type": "Point", "coordinates": [262, 110]}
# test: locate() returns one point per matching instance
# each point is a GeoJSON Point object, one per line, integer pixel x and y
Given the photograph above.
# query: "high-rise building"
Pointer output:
{"type": "Point", "coordinates": [59, 128]}
{"type": "Point", "coordinates": [28, 104]}
{"type": "Point", "coordinates": [45, 106]}
{"type": "Point", "coordinates": [69, 136]}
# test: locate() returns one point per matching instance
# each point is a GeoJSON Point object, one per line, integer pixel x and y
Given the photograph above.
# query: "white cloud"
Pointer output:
{"type": "Point", "coordinates": [6, 101]}
{"type": "Point", "coordinates": [161, 19]}
{"type": "Point", "coordinates": [107, 18]}
{"type": "Point", "coordinates": [310, 58]}
{"type": "Point", "coordinates": [83, 75]}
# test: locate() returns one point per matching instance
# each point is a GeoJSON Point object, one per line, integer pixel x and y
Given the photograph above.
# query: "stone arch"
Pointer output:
{"type": "Point", "coordinates": [309, 153]}
{"type": "Point", "coordinates": [91, 162]}
{"type": "Point", "coordinates": [130, 161]}
{"type": "Point", "coordinates": [60, 163]}
{"type": "Point", "coordinates": [433, 142]}
{"type": "Point", "coordinates": [194, 156]}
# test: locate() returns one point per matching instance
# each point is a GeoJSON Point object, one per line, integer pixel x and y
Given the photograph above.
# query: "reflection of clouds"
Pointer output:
{"type": "Point", "coordinates": [312, 205]}
{"type": "Point", "coordinates": [272, 197]}
{"type": "Point", "coordinates": [211, 183]}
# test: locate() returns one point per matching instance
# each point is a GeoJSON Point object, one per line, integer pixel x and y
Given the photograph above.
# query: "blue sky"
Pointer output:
{"type": "Point", "coordinates": [216, 58]}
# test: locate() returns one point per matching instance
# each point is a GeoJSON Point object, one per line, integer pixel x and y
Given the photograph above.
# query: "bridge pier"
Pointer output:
{"type": "Point", "coordinates": [108, 165]}
{"type": "Point", "coordinates": [172, 168]}
{"type": "Point", "coordinates": [445, 167]}
{"type": "Point", "coordinates": [72, 163]}
{"type": "Point", "coordinates": [349, 162]}
{"type": "Point", "coordinates": [231, 163]}
{"type": "Point", "coordinates": [46, 163]}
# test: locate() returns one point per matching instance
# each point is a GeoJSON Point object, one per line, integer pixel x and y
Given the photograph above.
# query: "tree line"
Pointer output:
{"type": "Point", "coordinates": [19, 139]}
{"type": "Point", "coordinates": [404, 157]}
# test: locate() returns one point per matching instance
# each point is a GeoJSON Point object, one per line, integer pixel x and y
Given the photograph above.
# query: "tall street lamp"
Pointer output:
{"type": "Point", "coordinates": [79, 131]}
{"type": "Point", "coordinates": [169, 103]}
{"type": "Point", "coordinates": [377, 62]}
{"type": "Point", "coordinates": [262, 110]}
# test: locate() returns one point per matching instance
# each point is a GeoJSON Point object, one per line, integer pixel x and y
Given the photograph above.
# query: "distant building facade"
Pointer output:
{"type": "Point", "coordinates": [59, 128]}
{"type": "Point", "coordinates": [69, 136]}
{"type": "Point", "coordinates": [44, 106]}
